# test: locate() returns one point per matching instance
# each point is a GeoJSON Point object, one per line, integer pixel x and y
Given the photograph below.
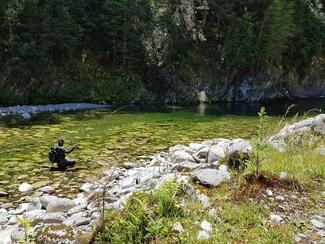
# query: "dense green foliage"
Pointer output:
{"type": "Point", "coordinates": [90, 50]}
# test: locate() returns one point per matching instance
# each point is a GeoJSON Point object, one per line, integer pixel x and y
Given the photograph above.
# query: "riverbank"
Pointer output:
{"type": "Point", "coordinates": [26, 110]}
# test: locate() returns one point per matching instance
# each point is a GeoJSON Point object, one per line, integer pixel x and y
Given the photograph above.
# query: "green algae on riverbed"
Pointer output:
{"type": "Point", "coordinates": [105, 139]}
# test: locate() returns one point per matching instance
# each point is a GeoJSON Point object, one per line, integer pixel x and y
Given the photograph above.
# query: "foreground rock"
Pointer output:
{"type": "Point", "coordinates": [211, 177]}
{"type": "Point", "coordinates": [294, 132]}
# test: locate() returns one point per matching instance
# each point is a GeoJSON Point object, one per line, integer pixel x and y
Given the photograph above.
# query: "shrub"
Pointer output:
{"type": "Point", "coordinates": [167, 199]}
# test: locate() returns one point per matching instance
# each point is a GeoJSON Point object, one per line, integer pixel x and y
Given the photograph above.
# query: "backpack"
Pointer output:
{"type": "Point", "coordinates": [53, 154]}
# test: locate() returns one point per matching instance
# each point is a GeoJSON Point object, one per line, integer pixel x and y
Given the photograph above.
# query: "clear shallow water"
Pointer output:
{"type": "Point", "coordinates": [107, 139]}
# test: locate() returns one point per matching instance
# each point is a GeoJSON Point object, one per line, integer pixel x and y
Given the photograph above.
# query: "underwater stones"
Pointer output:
{"type": "Point", "coordinates": [25, 187]}
{"type": "Point", "coordinates": [60, 205]}
{"type": "Point", "coordinates": [40, 184]}
{"type": "Point", "coordinates": [22, 177]}
{"type": "Point", "coordinates": [3, 194]}
{"type": "Point", "coordinates": [211, 177]}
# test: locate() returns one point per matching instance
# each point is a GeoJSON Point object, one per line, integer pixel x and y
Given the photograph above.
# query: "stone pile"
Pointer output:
{"type": "Point", "coordinates": [64, 220]}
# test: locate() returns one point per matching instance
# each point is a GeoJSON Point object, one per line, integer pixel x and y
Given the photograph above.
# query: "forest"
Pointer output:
{"type": "Point", "coordinates": [122, 51]}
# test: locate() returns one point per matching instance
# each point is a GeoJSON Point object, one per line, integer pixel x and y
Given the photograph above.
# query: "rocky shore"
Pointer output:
{"type": "Point", "coordinates": [64, 220]}
{"type": "Point", "coordinates": [26, 111]}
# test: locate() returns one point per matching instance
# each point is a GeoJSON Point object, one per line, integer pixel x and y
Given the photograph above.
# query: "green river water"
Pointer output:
{"type": "Point", "coordinates": [107, 139]}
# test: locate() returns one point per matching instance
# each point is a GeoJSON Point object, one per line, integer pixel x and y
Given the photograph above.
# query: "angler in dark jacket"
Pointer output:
{"type": "Point", "coordinates": [61, 160]}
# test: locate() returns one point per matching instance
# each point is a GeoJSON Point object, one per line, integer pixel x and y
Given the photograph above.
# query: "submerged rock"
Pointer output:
{"type": "Point", "coordinates": [25, 187]}
{"type": "Point", "coordinates": [3, 194]}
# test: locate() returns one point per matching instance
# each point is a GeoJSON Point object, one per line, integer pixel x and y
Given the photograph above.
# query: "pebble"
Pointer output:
{"type": "Point", "coordinates": [203, 235]}
{"type": "Point", "coordinates": [276, 218]}
{"type": "Point", "coordinates": [317, 224]}
{"type": "Point", "coordinates": [280, 198]}
{"type": "Point", "coordinates": [213, 214]}
{"type": "Point", "coordinates": [283, 176]}
{"type": "Point", "coordinates": [204, 199]}
{"type": "Point", "coordinates": [206, 226]}
{"type": "Point", "coordinates": [299, 237]}
{"type": "Point", "coordinates": [177, 228]}
{"type": "Point", "coordinates": [269, 193]}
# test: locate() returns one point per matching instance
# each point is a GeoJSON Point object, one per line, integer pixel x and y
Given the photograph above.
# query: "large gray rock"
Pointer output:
{"type": "Point", "coordinates": [187, 166]}
{"type": "Point", "coordinates": [46, 199]}
{"type": "Point", "coordinates": [60, 205]}
{"type": "Point", "coordinates": [239, 146]}
{"type": "Point", "coordinates": [294, 131]}
{"type": "Point", "coordinates": [180, 157]}
{"type": "Point", "coordinates": [211, 177]}
{"type": "Point", "coordinates": [217, 153]}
